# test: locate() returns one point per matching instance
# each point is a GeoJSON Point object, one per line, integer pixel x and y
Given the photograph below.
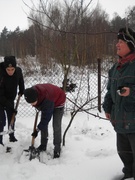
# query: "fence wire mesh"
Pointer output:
{"type": "Point", "coordinates": [85, 94]}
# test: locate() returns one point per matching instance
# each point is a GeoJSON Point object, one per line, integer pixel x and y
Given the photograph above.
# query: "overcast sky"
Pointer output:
{"type": "Point", "coordinates": [13, 12]}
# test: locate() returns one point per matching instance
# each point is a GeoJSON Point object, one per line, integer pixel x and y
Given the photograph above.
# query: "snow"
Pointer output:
{"type": "Point", "coordinates": [89, 152]}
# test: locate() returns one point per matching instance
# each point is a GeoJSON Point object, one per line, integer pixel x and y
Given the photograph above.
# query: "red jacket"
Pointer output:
{"type": "Point", "coordinates": [49, 97]}
{"type": "Point", "coordinates": [52, 93]}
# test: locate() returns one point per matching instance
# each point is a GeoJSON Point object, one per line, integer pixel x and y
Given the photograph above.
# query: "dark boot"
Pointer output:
{"type": "Point", "coordinates": [127, 173]}
{"type": "Point", "coordinates": [1, 140]}
{"type": "Point", "coordinates": [57, 150]}
{"type": "Point", "coordinates": [12, 138]}
{"type": "Point", "coordinates": [126, 176]}
{"type": "Point", "coordinates": [41, 148]}
{"type": "Point", "coordinates": [56, 154]}
{"type": "Point", "coordinates": [43, 144]}
{"type": "Point", "coordinates": [1, 130]}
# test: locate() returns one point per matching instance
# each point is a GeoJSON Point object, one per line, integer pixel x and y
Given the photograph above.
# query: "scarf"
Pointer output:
{"type": "Point", "coordinates": [126, 59]}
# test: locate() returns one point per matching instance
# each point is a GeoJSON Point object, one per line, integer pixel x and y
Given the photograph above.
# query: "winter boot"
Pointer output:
{"type": "Point", "coordinates": [1, 140]}
{"type": "Point", "coordinates": [43, 144]}
{"type": "Point", "coordinates": [126, 176]}
{"type": "Point", "coordinates": [12, 138]}
{"type": "Point", "coordinates": [41, 148]}
{"type": "Point", "coordinates": [57, 151]}
{"type": "Point", "coordinates": [56, 154]}
{"type": "Point", "coordinates": [127, 173]}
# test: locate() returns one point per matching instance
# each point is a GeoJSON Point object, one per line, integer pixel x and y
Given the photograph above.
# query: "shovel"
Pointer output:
{"type": "Point", "coordinates": [33, 152]}
{"type": "Point", "coordinates": [10, 130]}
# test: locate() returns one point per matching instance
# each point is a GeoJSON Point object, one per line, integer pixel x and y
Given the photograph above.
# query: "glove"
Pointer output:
{"type": "Point", "coordinates": [35, 133]}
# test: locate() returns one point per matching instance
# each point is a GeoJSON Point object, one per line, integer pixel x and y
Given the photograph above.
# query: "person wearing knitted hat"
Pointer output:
{"type": "Point", "coordinates": [119, 101]}
{"type": "Point", "coordinates": [50, 100]}
{"type": "Point", "coordinates": [11, 80]}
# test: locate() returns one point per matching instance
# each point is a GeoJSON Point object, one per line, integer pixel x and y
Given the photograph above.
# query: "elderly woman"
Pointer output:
{"type": "Point", "coordinates": [119, 101]}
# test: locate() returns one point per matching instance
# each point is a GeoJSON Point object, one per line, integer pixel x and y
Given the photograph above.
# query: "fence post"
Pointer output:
{"type": "Point", "coordinates": [99, 84]}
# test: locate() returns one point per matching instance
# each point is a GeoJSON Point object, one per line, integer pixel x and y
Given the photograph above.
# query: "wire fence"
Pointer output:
{"type": "Point", "coordinates": [85, 79]}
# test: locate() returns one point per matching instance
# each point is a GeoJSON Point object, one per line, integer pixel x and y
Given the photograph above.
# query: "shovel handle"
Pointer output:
{"type": "Point", "coordinates": [16, 106]}
{"type": "Point", "coordinates": [34, 128]}
{"type": "Point", "coordinates": [35, 123]}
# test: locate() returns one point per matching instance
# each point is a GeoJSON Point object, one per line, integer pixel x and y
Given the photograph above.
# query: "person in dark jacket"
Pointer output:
{"type": "Point", "coordinates": [10, 78]}
{"type": "Point", "coordinates": [50, 100]}
{"type": "Point", "coordinates": [119, 102]}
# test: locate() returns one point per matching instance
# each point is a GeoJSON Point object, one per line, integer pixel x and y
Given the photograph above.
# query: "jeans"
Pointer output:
{"type": "Point", "coordinates": [56, 124]}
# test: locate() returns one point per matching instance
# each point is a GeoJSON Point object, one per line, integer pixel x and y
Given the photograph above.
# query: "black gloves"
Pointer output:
{"type": "Point", "coordinates": [35, 133]}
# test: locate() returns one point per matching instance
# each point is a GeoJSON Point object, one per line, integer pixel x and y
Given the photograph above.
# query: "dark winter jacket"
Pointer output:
{"type": "Point", "coordinates": [49, 97]}
{"type": "Point", "coordinates": [122, 109]}
{"type": "Point", "coordinates": [9, 85]}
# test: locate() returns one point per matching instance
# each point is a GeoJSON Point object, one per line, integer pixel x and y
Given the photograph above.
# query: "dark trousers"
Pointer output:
{"type": "Point", "coordinates": [5, 113]}
{"type": "Point", "coordinates": [126, 151]}
{"type": "Point", "coordinates": [56, 123]}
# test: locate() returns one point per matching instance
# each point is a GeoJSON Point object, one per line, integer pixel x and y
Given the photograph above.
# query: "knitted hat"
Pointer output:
{"type": "Point", "coordinates": [127, 35]}
{"type": "Point", "coordinates": [30, 95]}
{"type": "Point", "coordinates": [9, 61]}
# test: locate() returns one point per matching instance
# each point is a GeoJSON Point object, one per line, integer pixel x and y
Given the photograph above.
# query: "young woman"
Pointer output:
{"type": "Point", "coordinates": [11, 80]}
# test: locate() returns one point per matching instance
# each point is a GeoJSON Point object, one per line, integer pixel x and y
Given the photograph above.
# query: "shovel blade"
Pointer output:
{"type": "Point", "coordinates": [32, 153]}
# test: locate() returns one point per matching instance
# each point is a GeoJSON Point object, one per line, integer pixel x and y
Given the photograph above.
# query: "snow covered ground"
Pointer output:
{"type": "Point", "coordinates": [89, 152]}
